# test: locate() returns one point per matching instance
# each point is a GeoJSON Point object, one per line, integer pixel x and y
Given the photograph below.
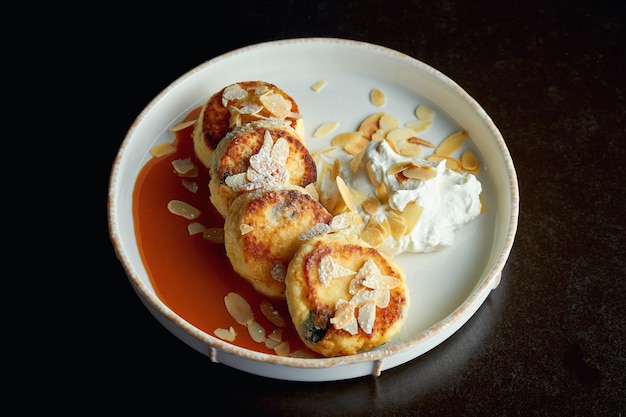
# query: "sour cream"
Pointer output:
{"type": "Point", "coordinates": [449, 200]}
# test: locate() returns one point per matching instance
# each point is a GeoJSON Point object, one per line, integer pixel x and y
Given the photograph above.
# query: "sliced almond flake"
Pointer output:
{"type": "Point", "coordinates": [469, 161]}
{"type": "Point", "coordinates": [377, 97]}
{"type": "Point", "coordinates": [398, 167]}
{"type": "Point", "coordinates": [343, 139]}
{"type": "Point", "coordinates": [192, 173]}
{"type": "Point", "coordinates": [392, 144]}
{"type": "Point", "coordinates": [450, 144]}
{"type": "Point", "coordinates": [344, 220]}
{"type": "Point", "coordinates": [336, 169]}
{"type": "Point", "coordinates": [381, 282]}
{"type": "Point", "coordinates": [371, 205]}
{"type": "Point", "coordinates": [367, 317]}
{"type": "Point", "coordinates": [283, 349]}
{"type": "Point", "coordinates": [380, 226]}
{"type": "Point", "coordinates": [279, 272]}
{"type": "Point", "coordinates": [256, 331]}
{"type": "Point", "coordinates": [424, 112]}
{"type": "Point", "coordinates": [372, 236]}
{"type": "Point", "coordinates": [190, 185]}
{"type": "Point", "coordinates": [236, 181]}
{"type": "Point", "coordinates": [276, 335]}
{"type": "Point", "coordinates": [325, 129]}
{"type": "Point", "coordinates": [268, 144]}
{"type": "Point", "coordinates": [378, 135]}
{"type": "Point", "coordinates": [387, 122]}
{"type": "Point", "coordinates": [398, 227]}
{"type": "Point", "coordinates": [419, 125]}
{"type": "Point", "coordinates": [400, 133]}
{"type": "Point", "coordinates": [370, 125]}
{"type": "Point", "coordinates": [420, 141]}
{"type": "Point", "coordinates": [250, 108]}
{"type": "Point", "coordinates": [162, 149]}
{"type": "Point", "coordinates": [364, 295]}
{"type": "Point", "coordinates": [420, 172]}
{"type": "Point", "coordinates": [412, 213]}
{"type": "Point", "coordinates": [310, 188]}
{"type": "Point", "coordinates": [195, 228]}
{"type": "Point", "coordinates": [245, 228]}
{"type": "Point", "coordinates": [271, 343]}
{"type": "Point", "coordinates": [329, 269]}
{"type": "Point", "coordinates": [182, 125]}
{"type": "Point", "coordinates": [356, 146]}
{"type": "Point", "coordinates": [382, 298]}
{"type": "Point", "coordinates": [233, 92]}
{"type": "Point", "coordinates": [318, 86]}
{"type": "Point", "coordinates": [235, 117]}
{"type": "Point", "coordinates": [344, 313]}
{"type": "Point", "coordinates": [280, 151]}
{"type": "Point", "coordinates": [214, 234]}
{"type": "Point", "coordinates": [238, 308]}
{"type": "Point", "coordinates": [371, 174]}
{"type": "Point", "coordinates": [261, 89]}
{"type": "Point", "coordinates": [382, 193]}
{"type": "Point", "coordinates": [411, 150]}
{"type": "Point", "coordinates": [316, 229]}
{"type": "Point", "coordinates": [183, 166]}
{"type": "Point", "coordinates": [344, 191]}
{"type": "Point", "coordinates": [180, 208]}
{"type": "Point", "coordinates": [302, 354]}
{"type": "Point", "coordinates": [451, 163]}
{"type": "Point", "coordinates": [355, 163]}
{"type": "Point", "coordinates": [272, 315]}
{"type": "Point", "coordinates": [228, 335]}
{"type": "Point", "coordinates": [277, 105]}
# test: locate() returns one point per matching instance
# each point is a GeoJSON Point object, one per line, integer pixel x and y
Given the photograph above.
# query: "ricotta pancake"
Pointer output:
{"type": "Point", "coordinates": [257, 154]}
{"type": "Point", "coordinates": [236, 105]}
{"type": "Point", "coordinates": [344, 296]}
{"type": "Point", "coordinates": [261, 233]}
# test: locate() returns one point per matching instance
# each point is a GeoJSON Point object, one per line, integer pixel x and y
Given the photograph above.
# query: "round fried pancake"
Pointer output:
{"type": "Point", "coordinates": [344, 296]}
{"type": "Point", "coordinates": [261, 233]}
{"type": "Point", "coordinates": [238, 104]}
{"type": "Point", "coordinates": [234, 152]}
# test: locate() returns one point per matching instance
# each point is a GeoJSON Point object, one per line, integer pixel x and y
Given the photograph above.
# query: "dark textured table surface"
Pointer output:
{"type": "Point", "coordinates": [551, 339]}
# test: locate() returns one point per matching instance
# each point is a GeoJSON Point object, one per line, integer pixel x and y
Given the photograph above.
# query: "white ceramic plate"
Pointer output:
{"type": "Point", "coordinates": [446, 287]}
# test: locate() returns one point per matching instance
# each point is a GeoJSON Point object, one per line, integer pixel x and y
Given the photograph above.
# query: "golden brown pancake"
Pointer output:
{"type": "Point", "coordinates": [236, 105]}
{"type": "Point", "coordinates": [287, 161]}
{"type": "Point", "coordinates": [337, 291]}
{"type": "Point", "coordinates": [261, 233]}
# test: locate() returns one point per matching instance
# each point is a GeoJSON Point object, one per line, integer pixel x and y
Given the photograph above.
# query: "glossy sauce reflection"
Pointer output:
{"type": "Point", "coordinates": [189, 274]}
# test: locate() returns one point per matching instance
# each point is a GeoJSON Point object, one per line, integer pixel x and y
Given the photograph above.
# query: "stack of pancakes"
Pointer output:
{"type": "Point", "coordinates": [343, 295]}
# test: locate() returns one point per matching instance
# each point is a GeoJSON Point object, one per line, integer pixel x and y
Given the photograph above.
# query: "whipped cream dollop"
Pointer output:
{"type": "Point", "coordinates": [449, 199]}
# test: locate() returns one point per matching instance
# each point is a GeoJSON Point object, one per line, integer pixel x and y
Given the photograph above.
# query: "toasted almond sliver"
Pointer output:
{"type": "Point", "coordinates": [398, 167]}
{"type": "Point", "coordinates": [387, 122]}
{"type": "Point", "coordinates": [411, 150]}
{"type": "Point", "coordinates": [469, 161]}
{"type": "Point", "coordinates": [336, 169]}
{"type": "Point", "coordinates": [420, 141]}
{"type": "Point", "coordinates": [256, 331]}
{"type": "Point", "coordinates": [451, 163]}
{"type": "Point", "coordinates": [411, 214]}
{"type": "Point", "coordinates": [424, 112]}
{"type": "Point", "coordinates": [183, 166]}
{"type": "Point", "coordinates": [371, 205]}
{"type": "Point", "coordinates": [343, 139]}
{"type": "Point", "coordinates": [325, 128]}
{"type": "Point", "coordinates": [343, 314]}
{"type": "Point", "coordinates": [419, 125]}
{"type": "Point", "coordinates": [398, 227]}
{"type": "Point", "coordinates": [181, 125]}
{"type": "Point", "coordinates": [195, 228]}
{"type": "Point", "coordinates": [283, 349]}
{"type": "Point", "coordinates": [245, 228]}
{"type": "Point", "coordinates": [238, 308]}
{"type": "Point", "coordinates": [272, 314]}
{"type": "Point", "coordinates": [370, 125]}
{"type": "Point", "coordinates": [226, 334]}
{"type": "Point", "coordinates": [372, 236]}
{"type": "Point", "coordinates": [400, 133]}
{"type": "Point", "coordinates": [377, 97]}
{"type": "Point", "coordinates": [450, 144]}
{"type": "Point", "coordinates": [162, 149]}
{"type": "Point", "coordinates": [345, 193]}
{"type": "Point", "coordinates": [356, 146]}
{"type": "Point", "coordinates": [276, 104]}
{"type": "Point", "coordinates": [392, 145]}
{"type": "Point", "coordinates": [180, 208]}
{"type": "Point", "coordinates": [367, 317]}
{"type": "Point", "coordinates": [318, 86]}
{"type": "Point", "coordinates": [420, 172]}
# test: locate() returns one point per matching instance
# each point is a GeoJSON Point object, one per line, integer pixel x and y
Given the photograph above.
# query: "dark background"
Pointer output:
{"type": "Point", "coordinates": [549, 341]}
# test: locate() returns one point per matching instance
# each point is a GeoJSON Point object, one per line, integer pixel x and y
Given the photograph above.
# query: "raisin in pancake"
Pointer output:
{"type": "Point", "coordinates": [238, 104]}
{"type": "Point", "coordinates": [344, 296]}
{"type": "Point", "coordinates": [245, 159]}
{"type": "Point", "coordinates": [261, 233]}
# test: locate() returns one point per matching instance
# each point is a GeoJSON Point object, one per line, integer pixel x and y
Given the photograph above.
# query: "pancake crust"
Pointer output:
{"type": "Point", "coordinates": [261, 233]}
{"type": "Point", "coordinates": [233, 154]}
{"type": "Point", "coordinates": [313, 306]}
{"type": "Point", "coordinates": [238, 104]}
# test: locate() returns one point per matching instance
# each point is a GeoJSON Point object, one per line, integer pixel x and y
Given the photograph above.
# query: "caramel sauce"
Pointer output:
{"type": "Point", "coordinates": [190, 274]}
